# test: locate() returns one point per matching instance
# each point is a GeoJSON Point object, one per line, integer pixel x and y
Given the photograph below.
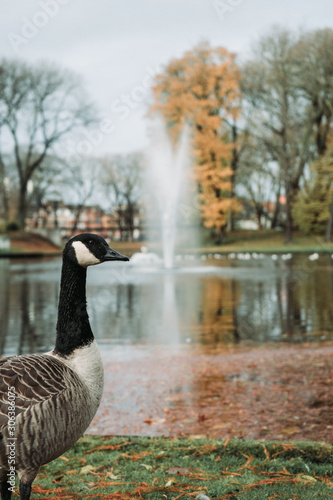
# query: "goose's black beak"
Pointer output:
{"type": "Point", "coordinates": [113, 255]}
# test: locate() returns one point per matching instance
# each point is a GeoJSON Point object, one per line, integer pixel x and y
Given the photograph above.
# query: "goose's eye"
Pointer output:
{"type": "Point", "coordinates": [90, 242]}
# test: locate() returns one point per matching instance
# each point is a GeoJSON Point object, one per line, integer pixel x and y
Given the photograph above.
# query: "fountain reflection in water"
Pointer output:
{"type": "Point", "coordinates": [168, 191]}
{"type": "Point", "coordinates": [168, 185]}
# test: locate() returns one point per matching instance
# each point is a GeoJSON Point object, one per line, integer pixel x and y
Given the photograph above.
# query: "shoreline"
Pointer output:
{"type": "Point", "coordinates": [28, 254]}
{"type": "Point", "coordinates": [265, 242]}
{"type": "Point", "coordinates": [194, 251]}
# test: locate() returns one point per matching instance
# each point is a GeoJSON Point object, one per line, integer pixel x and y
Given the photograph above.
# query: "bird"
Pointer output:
{"type": "Point", "coordinates": [47, 401]}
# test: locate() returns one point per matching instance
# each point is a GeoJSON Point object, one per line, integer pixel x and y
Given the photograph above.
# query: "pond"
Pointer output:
{"type": "Point", "coordinates": [213, 301]}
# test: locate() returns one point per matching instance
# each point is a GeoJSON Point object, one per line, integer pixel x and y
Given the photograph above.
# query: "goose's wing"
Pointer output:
{"type": "Point", "coordinates": [29, 380]}
{"type": "Point", "coordinates": [51, 409]}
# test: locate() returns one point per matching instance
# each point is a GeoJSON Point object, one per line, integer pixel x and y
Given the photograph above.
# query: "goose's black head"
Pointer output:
{"type": "Point", "coordinates": [89, 249]}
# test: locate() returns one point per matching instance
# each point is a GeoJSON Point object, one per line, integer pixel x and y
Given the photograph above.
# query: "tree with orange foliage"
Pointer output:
{"type": "Point", "coordinates": [202, 88]}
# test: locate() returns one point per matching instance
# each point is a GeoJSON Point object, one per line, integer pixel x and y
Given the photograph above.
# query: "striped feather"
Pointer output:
{"type": "Point", "coordinates": [54, 406]}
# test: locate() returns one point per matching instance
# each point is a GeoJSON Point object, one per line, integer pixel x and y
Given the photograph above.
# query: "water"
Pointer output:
{"type": "Point", "coordinates": [215, 301]}
{"type": "Point", "coordinates": [167, 180]}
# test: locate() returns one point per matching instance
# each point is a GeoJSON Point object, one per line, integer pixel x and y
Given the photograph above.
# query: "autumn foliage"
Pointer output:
{"type": "Point", "coordinates": [202, 88]}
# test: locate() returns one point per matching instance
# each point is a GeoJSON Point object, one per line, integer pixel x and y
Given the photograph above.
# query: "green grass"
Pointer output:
{"type": "Point", "coordinates": [266, 241]}
{"type": "Point", "coordinates": [158, 468]}
{"type": "Point", "coordinates": [269, 241]}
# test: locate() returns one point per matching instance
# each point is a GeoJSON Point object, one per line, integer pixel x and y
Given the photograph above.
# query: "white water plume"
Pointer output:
{"type": "Point", "coordinates": [168, 184]}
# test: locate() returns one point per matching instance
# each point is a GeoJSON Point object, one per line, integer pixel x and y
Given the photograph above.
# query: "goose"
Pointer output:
{"type": "Point", "coordinates": [48, 400]}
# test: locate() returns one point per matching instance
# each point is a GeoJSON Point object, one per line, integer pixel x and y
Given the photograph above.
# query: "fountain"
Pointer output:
{"type": "Point", "coordinates": [167, 182]}
{"type": "Point", "coordinates": [173, 217]}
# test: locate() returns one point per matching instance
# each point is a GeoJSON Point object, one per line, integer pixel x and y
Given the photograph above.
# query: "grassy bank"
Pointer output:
{"type": "Point", "coordinates": [266, 241]}
{"type": "Point", "coordinates": [28, 244]}
{"type": "Point", "coordinates": [269, 241]}
{"type": "Point", "coordinates": [243, 241]}
{"type": "Point", "coordinates": [157, 468]}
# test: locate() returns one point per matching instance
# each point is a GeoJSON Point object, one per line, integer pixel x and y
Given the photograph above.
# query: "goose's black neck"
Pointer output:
{"type": "Point", "coordinates": [73, 327]}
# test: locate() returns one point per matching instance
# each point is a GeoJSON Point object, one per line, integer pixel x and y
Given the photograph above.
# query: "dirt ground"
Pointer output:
{"type": "Point", "coordinates": [280, 392]}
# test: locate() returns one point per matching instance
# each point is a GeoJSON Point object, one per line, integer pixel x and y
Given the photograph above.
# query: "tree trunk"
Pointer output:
{"type": "Point", "coordinates": [259, 215]}
{"type": "Point", "coordinates": [222, 234]}
{"type": "Point", "coordinates": [234, 165]}
{"type": "Point", "coordinates": [119, 222]}
{"type": "Point", "coordinates": [276, 209]}
{"type": "Point", "coordinates": [130, 220]}
{"type": "Point", "coordinates": [22, 206]}
{"type": "Point", "coordinates": [4, 191]}
{"type": "Point", "coordinates": [329, 226]}
{"type": "Point", "coordinates": [290, 198]}
{"type": "Point", "coordinates": [231, 222]}
{"type": "Point", "coordinates": [288, 185]}
{"type": "Point", "coordinates": [77, 218]}
{"type": "Point", "coordinates": [289, 220]}
{"type": "Point", "coordinates": [5, 205]}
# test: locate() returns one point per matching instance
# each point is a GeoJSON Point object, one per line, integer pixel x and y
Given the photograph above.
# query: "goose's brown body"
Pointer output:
{"type": "Point", "coordinates": [56, 394]}
{"type": "Point", "coordinates": [54, 406]}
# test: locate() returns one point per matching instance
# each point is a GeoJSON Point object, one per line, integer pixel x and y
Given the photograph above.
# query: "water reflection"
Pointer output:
{"type": "Point", "coordinates": [234, 303]}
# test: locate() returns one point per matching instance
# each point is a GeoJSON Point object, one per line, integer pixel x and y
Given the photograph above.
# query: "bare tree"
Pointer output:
{"type": "Point", "coordinates": [4, 190]}
{"type": "Point", "coordinates": [38, 106]}
{"type": "Point", "coordinates": [257, 177]}
{"type": "Point", "coordinates": [314, 73]}
{"type": "Point", "coordinates": [122, 177]}
{"type": "Point", "coordinates": [237, 129]}
{"type": "Point", "coordinates": [280, 115]}
{"type": "Point", "coordinates": [46, 182]}
{"type": "Point", "coordinates": [289, 86]}
{"type": "Point", "coordinates": [80, 182]}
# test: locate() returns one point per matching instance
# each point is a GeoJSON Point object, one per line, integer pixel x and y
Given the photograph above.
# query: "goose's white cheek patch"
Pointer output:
{"type": "Point", "coordinates": [83, 255]}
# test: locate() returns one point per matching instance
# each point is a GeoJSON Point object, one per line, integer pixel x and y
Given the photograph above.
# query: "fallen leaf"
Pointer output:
{"type": "Point", "coordinates": [305, 479]}
{"type": "Point", "coordinates": [221, 425]}
{"type": "Point", "coordinates": [148, 467]}
{"type": "Point", "coordinates": [136, 456]}
{"type": "Point", "coordinates": [87, 469]}
{"type": "Point", "coordinates": [107, 447]}
{"type": "Point", "coordinates": [227, 473]}
{"type": "Point", "coordinates": [290, 430]}
{"type": "Point", "coordinates": [112, 476]}
{"type": "Point", "coordinates": [148, 421]}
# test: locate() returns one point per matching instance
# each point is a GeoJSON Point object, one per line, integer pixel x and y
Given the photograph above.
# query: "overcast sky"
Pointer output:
{"type": "Point", "coordinates": [116, 46]}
